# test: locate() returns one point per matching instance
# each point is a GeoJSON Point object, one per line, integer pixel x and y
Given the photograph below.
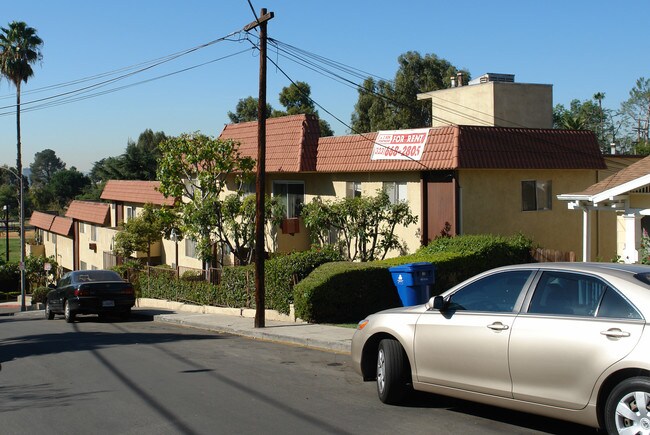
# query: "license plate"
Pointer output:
{"type": "Point", "coordinates": [108, 303]}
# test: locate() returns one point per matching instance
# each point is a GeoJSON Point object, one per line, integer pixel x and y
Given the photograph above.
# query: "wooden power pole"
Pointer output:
{"type": "Point", "coordinates": [261, 168]}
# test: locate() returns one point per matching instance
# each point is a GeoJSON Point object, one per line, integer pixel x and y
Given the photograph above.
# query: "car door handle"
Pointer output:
{"type": "Point", "coordinates": [498, 326]}
{"type": "Point", "coordinates": [615, 333]}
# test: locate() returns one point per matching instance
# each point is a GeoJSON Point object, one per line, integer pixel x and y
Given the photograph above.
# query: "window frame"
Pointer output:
{"type": "Point", "coordinates": [536, 195]}
{"type": "Point", "coordinates": [518, 301]}
{"type": "Point", "coordinates": [288, 213]}
{"type": "Point", "coordinates": [397, 187]}
{"type": "Point", "coordinates": [353, 189]}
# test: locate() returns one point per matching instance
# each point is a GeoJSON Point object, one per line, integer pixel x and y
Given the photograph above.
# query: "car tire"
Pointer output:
{"type": "Point", "coordinates": [68, 313]}
{"type": "Point", "coordinates": [621, 409]}
{"type": "Point", "coordinates": [393, 372]}
{"type": "Point", "coordinates": [49, 314]}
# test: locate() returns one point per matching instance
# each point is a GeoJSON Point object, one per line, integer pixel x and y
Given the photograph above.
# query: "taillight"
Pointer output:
{"type": "Point", "coordinates": [81, 291]}
{"type": "Point", "coordinates": [128, 291]}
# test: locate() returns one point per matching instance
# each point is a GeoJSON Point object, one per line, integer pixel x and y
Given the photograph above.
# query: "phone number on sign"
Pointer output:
{"type": "Point", "coordinates": [399, 150]}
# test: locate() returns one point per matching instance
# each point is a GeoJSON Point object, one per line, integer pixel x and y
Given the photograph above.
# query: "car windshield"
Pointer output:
{"type": "Point", "coordinates": [95, 275]}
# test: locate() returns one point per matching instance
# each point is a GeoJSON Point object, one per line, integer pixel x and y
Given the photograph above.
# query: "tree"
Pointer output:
{"type": "Point", "coordinates": [196, 169]}
{"type": "Point", "coordinates": [246, 110]}
{"type": "Point", "coordinates": [66, 185]}
{"type": "Point", "coordinates": [138, 162]}
{"type": "Point", "coordinates": [296, 100]}
{"type": "Point", "coordinates": [365, 225]}
{"type": "Point", "coordinates": [140, 233]}
{"type": "Point", "coordinates": [20, 48]}
{"type": "Point", "coordinates": [637, 109]}
{"type": "Point", "coordinates": [384, 105]}
{"type": "Point", "coordinates": [45, 165]}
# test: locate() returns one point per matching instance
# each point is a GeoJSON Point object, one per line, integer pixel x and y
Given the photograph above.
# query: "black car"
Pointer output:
{"type": "Point", "coordinates": [99, 292]}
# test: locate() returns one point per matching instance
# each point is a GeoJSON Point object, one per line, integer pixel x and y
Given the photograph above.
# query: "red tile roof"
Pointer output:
{"type": "Point", "coordinates": [142, 192]}
{"type": "Point", "coordinates": [93, 212]}
{"type": "Point", "coordinates": [62, 225]}
{"type": "Point", "coordinates": [469, 147]}
{"type": "Point", "coordinates": [41, 220]}
{"type": "Point", "coordinates": [293, 146]}
{"type": "Point", "coordinates": [291, 142]}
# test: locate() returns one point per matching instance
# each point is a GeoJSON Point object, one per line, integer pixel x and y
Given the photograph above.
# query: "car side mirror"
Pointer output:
{"type": "Point", "coordinates": [436, 303]}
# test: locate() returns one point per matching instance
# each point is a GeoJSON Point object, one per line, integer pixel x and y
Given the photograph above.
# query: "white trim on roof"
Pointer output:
{"type": "Point", "coordinates": [621, 189]}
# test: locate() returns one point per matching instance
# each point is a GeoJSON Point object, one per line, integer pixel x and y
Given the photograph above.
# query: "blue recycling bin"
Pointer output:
{"type": "Point", "coordinates": [413, 281]}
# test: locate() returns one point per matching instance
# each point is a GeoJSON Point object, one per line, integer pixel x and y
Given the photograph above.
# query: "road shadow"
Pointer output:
{"type": "Point", "coordinates": [75, 340]}
{"type": "Point", "coordinates": [418, 399]}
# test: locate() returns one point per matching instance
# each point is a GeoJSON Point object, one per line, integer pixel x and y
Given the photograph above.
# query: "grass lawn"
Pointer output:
{"type": "Point", "coordinates": [14, 248]}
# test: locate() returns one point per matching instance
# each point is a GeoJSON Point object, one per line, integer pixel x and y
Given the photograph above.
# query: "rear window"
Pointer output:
{"type": "Point", "coordinates": [96, 275]}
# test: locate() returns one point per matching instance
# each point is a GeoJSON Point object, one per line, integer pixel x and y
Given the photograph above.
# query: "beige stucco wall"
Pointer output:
{"type": "Point", "coordinates": [61, 250]}
{"type": "Point", "coordinates": [103, 241]}
{"type": "Point", "coordinates": [491, 203]}
{"type": "Point", "coordinates": [333, 186]}
{"type": "Point", "coordinates": [493, 104]}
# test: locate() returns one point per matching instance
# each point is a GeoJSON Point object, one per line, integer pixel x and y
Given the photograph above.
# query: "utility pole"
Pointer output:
{"type": "Point", "coordinates": [261, 168]}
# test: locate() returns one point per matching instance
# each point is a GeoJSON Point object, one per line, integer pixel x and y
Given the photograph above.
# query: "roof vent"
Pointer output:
{"type": "Point", "coordinates": [493, 77]}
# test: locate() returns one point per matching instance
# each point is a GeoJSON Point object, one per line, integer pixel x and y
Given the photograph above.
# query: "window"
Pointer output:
{"type": "Point", "coordinates": [613, 305]}
{"type": "Point", "coordinates": [83, 265]}
{"type": "Point", "coordinates": [82, 228]}
{"type": "Point", "coordinates": [53, 238]}
{"type": "Point", "coordinates": [536, 195]}
{"type": "Point", "coordinates": [396, 191]}
{"type": "Point", "coordinates": [493, 293]}
{"type": "Point", "coordinates": [129, 213]}
{"type": "Point", "coordinates": [570, 294]}
{"type": "Point", "coordinates": [190, 248]}
{"type": "Point", "coordinates": [93, 233]}
{"type": "Point", "coordinates": [352, 189]}
{"type": "Point", "coordinates": [291, 195]}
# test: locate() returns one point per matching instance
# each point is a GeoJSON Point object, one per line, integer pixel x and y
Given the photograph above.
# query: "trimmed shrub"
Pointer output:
{"type": "Point", "coordinates": [325, 296]}
{"type": "Point", "coordinates": [9, 277]}
{"type": "Point", "coordinates": [344, 291]}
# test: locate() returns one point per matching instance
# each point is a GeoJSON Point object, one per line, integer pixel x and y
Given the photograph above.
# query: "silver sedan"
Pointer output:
{"type": "Point", "coordinates": [564, 340]}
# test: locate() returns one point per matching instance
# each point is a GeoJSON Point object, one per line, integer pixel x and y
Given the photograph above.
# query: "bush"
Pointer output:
{"type": "Point", "coordinates": [9, 277]}
{"type": "Point", "coordinates": [344, 291]}
{"type": "Point", "coordinates": [348, 292]}
{"type": "Point", "coordinates": [39, 294]}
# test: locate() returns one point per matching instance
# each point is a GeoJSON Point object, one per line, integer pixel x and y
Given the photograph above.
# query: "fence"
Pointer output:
{"type": "Point", "coordinates": [550, 255]}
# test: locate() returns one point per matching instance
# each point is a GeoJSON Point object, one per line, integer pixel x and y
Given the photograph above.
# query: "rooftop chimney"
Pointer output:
{"type": "Point", "coordinates": [459, 77]}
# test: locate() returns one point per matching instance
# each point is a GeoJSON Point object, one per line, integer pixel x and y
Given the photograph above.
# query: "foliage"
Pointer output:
{"type": "Point", "coordinates": [9, 277]}
{"type": "Point", "coordinates": [644, 252]}
{"type": "Point", "coordinates": [35, 273]}
{"type": "Point", "coordinates": [196, 169]}
{"type": "Point", "coordinates": [393, 105]}
{"type": "Point", "coordinates": [46, 164]}
{"type": "Point", "coordinates": [138, 162]}
{"type": "Point", "coordinates": [296, 98]}
{"type": "Point", "coordinates": [236, 226]}
{"type": "Point", "coordinates": [637, 108]}
{"type": "Point", "coordinates": [342, 292]}
{"type": "Point", "coordinates": [365, 225]}
{"type": "Point", "coordinates": [39, 294]}
{"type": "Point", "coordinates": [139, 233]}
{"type": "Point", "coordinates": [246, 110]}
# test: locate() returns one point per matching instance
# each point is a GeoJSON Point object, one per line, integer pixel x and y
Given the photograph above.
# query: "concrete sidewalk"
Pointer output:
{"type": "Point", "coordinates": [323, 337]}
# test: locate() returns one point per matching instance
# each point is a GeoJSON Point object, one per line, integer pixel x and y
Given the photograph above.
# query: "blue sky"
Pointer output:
{"type": "Point", "coordinates": [579, 46]}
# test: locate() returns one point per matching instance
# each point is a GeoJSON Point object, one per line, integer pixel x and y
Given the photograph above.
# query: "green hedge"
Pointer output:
{"type": "Point", "coordinates": [347, 292]}
{"type": "Point", "coordinates": [237, 287]}
{"type": "Point", "coordinates": [9, 277]}
{"type": "Point", "coordinates": [343, 291]}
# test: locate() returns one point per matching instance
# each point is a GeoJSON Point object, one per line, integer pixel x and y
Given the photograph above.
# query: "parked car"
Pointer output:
{"type": "Point", "coordinates": [564, 340]}
{"type": "Point", "coordinates": [99, 292]}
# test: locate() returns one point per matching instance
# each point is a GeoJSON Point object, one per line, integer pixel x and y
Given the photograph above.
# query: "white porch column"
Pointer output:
{"type": "Point", "coordinates": [586, 235]}
{"type": "Point", "coordinates": [632, 224]}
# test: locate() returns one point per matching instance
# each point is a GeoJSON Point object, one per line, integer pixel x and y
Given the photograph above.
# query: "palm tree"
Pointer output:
{"type": "Point", "coordinates": [20, 48]}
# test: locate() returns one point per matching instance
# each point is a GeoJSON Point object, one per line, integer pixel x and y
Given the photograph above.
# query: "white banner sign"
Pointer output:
{"type": "Point", "coordinates": [400, 144]}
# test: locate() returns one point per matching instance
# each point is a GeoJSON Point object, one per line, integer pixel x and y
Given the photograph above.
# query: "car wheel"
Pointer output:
{"type": "Point", "coordinates": [393, 372]}
{"type": "Point", "coordinates": [68, 313]}
{"type": "Point", "coordinates": [627, 409]}
{"type": "Point", "coordinates": [49, 315]}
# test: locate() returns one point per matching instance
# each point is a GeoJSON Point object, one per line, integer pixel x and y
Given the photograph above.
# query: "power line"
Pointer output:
{"type": "Point", "coordinates": [69, 96]}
